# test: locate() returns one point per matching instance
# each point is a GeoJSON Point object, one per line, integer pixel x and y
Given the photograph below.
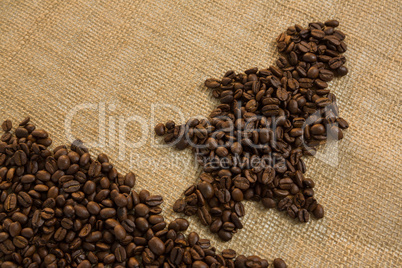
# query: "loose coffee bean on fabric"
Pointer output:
{"type": "Point", "coordinates": [52, 215]}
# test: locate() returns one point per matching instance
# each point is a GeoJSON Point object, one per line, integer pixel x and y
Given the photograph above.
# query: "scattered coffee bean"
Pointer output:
{"type": "Point", "coordinates": [160, 129]}
{"type": "Point", "coordinates": [279, 263]}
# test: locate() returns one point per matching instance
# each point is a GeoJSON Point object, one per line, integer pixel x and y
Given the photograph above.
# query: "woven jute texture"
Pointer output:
{"type": "Point", "coordinates": [103, 65]}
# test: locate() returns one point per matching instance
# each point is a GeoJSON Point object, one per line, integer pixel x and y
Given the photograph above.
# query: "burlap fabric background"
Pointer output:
{"type": "Point", "coordinates": [123, 56]}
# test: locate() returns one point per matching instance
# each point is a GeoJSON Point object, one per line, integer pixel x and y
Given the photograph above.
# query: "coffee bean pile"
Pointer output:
{"type": "Point", "coordinates": [61, 208]}
{"type": "Point", "coordinates": [250, 146]}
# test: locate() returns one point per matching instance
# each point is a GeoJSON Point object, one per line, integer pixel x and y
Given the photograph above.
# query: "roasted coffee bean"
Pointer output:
{"type": "Point", "coordinates": [310, 57]}
{"type": "Point", "coordinates": [292, 211]}
{"type": "Point", "coordinates": [284, 203]}
{"type": "Point", "coordinates": [303, 215]}
{"type": "Point", "coordinates": [8, 264]}
{"type": "Point", "coordinates": [204, 216]}
{"type": "Point", "coordinates": [276, 71]}
{"type": "Point", "coordinates": [342, 70]}
{"type": "Point", "coordinates": [279, 263]}
{"type": "Point", "coordinates": [47, 213]}
{"type": "Point", "coordinates": [156, 246]}
{"type": "Point", "coordinates": [224, 235]}
{"type": "Point", "coordinates": [120, 232]}
{"type": "Point", "coordinates": [299, 200]}
{"type": "Point", "coordinates": [317, 129]}
{"type": "Point", "coordinates": [313, 72]}
{"type": "Point", "coordinates": [154, 200]}
{"type": "Point", "coordinates": [285, 184]}
{"type": "Point", "coordinates": [216, 225]}
{"type": "Point", "coordinates": [343, 124]}
{"type": "Point", "coordinates": [179, 205]}
{"type": "Point", "coordinates": [206, 189]}
{"type": "Point", "coordinates": [120, 200]}
{"type": "Point", "coordinates": [63, 162]}
{"type": "Point", "coordinates": [14, 229]}
{"type": "Point", "coordinates": [71, 186]}
{"type": "Point", "coordinates": [94, 209]}
{"type": "Point", "coordinates": [235, 219]}
{"type": "Point", "coordinates": [20, 242]}
{"type": "Point", "coordinates": [86, 205]}
{"type": "Point", "coordinates": [280, 193]}
{"type": "Point", "coordinates": [281, 94]}
{"type": "Point", "coordinates": [7, 125]}
{"type": "Point", "coordinates": [335, 63]}
{"type": "Point", "coordinates": [199, 264]}
{"type": "Point", "coordinates": [24, 199]}
{"type": "Point", "coordinates": [20, 158]}
{"type": "Point", "coordinates": [120, 254]}
{"type": "Point", "coordinates": [335, 132]}
{"type": "Point", "coordinates": [160, 129]}
{"type": "Point", "coordinates": [237, 195]}
{"type": "Point", "coordinates": [223, 196]}
{"type": "Point", "coordinates": [268, 202]}
{"type": "Point", "coordinates": [317, 34]}
{"type": "Point", "coordinates": [212, 83]}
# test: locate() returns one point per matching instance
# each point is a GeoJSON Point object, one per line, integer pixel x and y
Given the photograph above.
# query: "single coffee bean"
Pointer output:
{"type": "Point", "coordinates": [279, 263]}
{"type": "Point", "coordinates": [317, 129]}
{"type": "Point", "coordinates": [268, 202]}
{"type": "Point", "coordinates": [20, 242]}
{"type": "Point", "coordinates": [129, 180]}
{"type": "Point", "coordinates": [199, 264]}
{"type": "Point", "coordinates": [7, 125]}
{"type": "Point", "coordinates": [21, 132]}
{"type": "Point", "coordinates": [343, 124]}
{"type": "Point", "coordinates": [71, 186]}
{"type": "Point", "coordinates": [292, 211]}
{"type": "Point", "coordinates": [120, 254]}
{"type": "Point", "coordinates": [303, 215]}
{"type": "Point", "coordinates": [336, 132]}
{"type": "Point", "coordinates": [310, 57]}
{"type": "Point", "coordinates": [318, 212]}
{"type": "Point", "coordinates": [156, 246]}
{"type": "Point", "coordinates": [90, 211]}
{"type": "Point", "coordinates": [160, 129]}
{"type": "Point", "coordinates": [342, 71]}
{"type": "Point", "coordinates": [224, 235]}
{"type": "Point", "coordinates": [313, 72]}
{"type": "Point", "coordinates": [335, 63]}
{"type": "Point", "coordinates": [84, 264]}
{"type": "Point", "coordinates": [14, 229]}
{"type": "Point", "coordinates": [10, 203]}
{"type": "Point", "coordinates": [8, 264]}
{"type": "Point", "coordinates": [318, 34]}
{"type": "Point", "coordinates": [332, 23]}
{"type": "Point", "coordinates": [326, 75]}
{"type": "Point", "coordinates": [20, 158]}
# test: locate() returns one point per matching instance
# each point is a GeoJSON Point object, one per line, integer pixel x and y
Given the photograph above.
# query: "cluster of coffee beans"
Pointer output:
{"type": "Point", "coordinates": [251, 144]}
{"type": "Point", "coordinates": [61, 208]}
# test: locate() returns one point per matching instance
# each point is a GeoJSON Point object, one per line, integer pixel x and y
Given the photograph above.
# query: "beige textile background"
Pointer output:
{"type": "Point", "coordinates": [122, 57]}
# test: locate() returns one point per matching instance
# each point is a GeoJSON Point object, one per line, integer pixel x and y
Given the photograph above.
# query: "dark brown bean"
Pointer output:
{"type": "Point", "coordinates": [279, 263]}
{"type": "Point", "coordinates": [318, 212]}
{"type": "Point", "coordinates": [7, 125]}
{"type": "Point", "coordinates": [156, 246]}
{"type": "Point", "coordinates": [160, 129]}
